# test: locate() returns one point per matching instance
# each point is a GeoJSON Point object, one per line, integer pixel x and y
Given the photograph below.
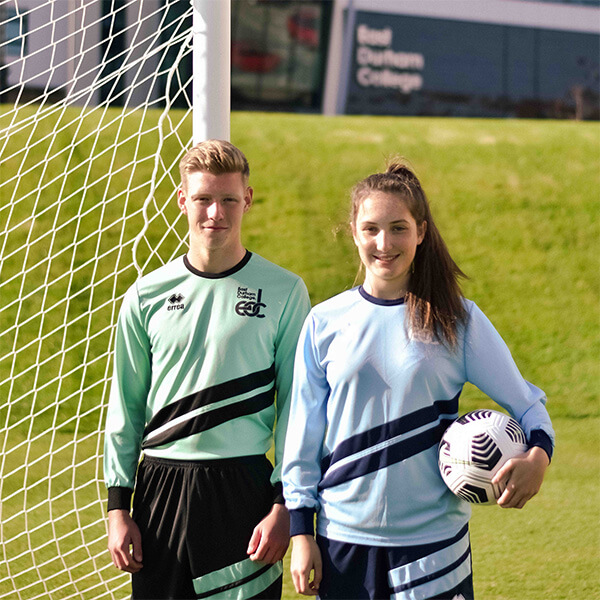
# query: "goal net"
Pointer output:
{"type": "Point", "coordinates": [95, 113]}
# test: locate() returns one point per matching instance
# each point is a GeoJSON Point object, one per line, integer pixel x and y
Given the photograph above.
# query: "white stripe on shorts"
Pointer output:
{"type": "Point", "coordinates": [239, 581]}
{"type": "Point", "coordinates": [434, 574]}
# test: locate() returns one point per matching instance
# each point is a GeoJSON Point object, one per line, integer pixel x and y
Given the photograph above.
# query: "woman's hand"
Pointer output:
{"type": "Point", "coordinates": [521, 477]}
{"type": "Point", "coordinates": [306, 557]}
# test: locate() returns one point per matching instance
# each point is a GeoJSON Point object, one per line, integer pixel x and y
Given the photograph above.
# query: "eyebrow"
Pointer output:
{"type": "Point", "coordinates": [209, 195]}
{"type": "Point", "coordinates": [391, 222]}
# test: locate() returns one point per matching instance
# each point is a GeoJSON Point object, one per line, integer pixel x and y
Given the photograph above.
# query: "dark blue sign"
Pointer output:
{"type": "Point", "coordinates": [405, 65]}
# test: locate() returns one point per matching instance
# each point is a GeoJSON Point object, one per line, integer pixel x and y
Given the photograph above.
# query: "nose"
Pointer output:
{"type": "Point", "coordinates": [215, 211]}
{"type": "Point", "coordinates": [383, 241]}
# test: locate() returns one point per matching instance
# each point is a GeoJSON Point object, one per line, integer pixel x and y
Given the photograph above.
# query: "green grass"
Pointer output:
{"type": "Point", "coordinates": [517, 202]}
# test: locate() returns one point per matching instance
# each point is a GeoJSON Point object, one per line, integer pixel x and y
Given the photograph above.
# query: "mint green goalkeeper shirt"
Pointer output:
{"type": "Point", "coordinates": [203, 365]}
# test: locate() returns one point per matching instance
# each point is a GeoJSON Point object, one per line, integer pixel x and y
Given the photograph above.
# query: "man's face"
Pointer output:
{"type": "Point", "coordinates": [214, 206]}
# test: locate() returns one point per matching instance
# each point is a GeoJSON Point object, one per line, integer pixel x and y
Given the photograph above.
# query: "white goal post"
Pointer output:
{"type": "Point", "coordinates": [95, 113]}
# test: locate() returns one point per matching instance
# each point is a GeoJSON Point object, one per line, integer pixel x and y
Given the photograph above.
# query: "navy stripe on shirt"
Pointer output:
{"type": "Point", "coordinates": [387, 456]}
{"type": "Point", "coordinates": [395, 452]}
{"type": "Point", "coordinates": [387, 431]}
{"type": "Point", "coordinates": [210, 395]}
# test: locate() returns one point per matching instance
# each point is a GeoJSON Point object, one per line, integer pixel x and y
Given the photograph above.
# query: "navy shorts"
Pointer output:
{"type": "Point", "coordinates": [440, 571]}
{"type": "Point", "coordinates": [196, 519]}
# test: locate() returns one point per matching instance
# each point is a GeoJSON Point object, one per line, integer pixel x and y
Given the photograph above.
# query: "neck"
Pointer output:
{"type": "Point", "coordinates": [218, 260]}
{"type": "Point", "coordinates": [385, 290]}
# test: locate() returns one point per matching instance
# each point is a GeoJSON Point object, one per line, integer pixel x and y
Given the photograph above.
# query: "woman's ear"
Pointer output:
{"type": "Point", "coordinates": [353, 230]}
{"type": "Point", "coordinates": [422, 230]}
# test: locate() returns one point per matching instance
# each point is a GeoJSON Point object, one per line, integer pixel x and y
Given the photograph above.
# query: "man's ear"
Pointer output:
{"type": "Point", "coordinates": [248, 195]}
{"type": "Point", "coordinates": [181, 201]}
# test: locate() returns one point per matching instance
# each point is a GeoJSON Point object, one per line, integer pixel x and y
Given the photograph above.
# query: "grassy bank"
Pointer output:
{"type": "Point", "coordinates": [517, 202]}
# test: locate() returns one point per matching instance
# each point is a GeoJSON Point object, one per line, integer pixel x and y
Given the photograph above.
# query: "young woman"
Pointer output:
{"type": "Point", "coordinates": [378, 374]}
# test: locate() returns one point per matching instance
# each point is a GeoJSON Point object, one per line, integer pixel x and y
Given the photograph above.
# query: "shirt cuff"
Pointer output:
{"type": "Point", "coordinates": [278, 493]}
{"type": "Point", "coordinates": [302, 521]}
{"type": "Point", "coordinates": [119, 498]}
{"type": "Point", "coordinates": [538, 437]}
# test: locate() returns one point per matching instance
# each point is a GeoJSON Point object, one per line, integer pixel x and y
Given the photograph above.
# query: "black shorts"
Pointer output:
{"type": "Point", "coordinates": [196, 519]}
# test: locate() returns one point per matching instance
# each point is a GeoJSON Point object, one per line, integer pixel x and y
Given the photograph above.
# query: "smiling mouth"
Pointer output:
{"type": "Point", "coordinates": [386, 259]}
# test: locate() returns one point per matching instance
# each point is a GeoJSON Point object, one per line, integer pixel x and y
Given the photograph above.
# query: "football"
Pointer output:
{"type": "Point", "coordinates": [472, 451]}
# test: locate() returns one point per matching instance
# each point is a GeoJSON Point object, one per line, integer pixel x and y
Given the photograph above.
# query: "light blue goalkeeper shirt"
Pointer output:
{"type": "Point", "coordinates": [370, 403]}
{"type": "Point", "coordinates": [199, 360]}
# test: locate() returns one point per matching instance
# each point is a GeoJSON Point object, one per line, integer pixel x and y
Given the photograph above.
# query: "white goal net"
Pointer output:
{"type": "Point", "coordinates": [95, 102]}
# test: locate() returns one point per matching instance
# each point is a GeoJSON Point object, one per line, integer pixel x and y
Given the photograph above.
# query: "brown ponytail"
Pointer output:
{"type": "Point", "coordinates": [434, 299]}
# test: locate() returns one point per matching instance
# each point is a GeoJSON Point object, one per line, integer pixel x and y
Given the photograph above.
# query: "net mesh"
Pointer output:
{"type": "Point", "coordinates": [94, 117]}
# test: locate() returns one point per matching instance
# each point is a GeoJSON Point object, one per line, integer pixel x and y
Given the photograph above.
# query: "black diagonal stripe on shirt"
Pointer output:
{"type": "Point", "coordinates": [211, 419]}
{"type": "Point", "coordinates": [210, 395]}
{"type": "Point", "coordinates": [387, 431]}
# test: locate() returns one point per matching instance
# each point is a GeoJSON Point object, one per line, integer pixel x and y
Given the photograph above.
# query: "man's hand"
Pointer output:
{"type": "Point", "coordinates": [306, 557]}
{"type": "Point", "coordinates": [271, 537]}
{"type": "Point", "coordinates": [124, 541]}
{"type": "Point", "coordinates": [521, 477]}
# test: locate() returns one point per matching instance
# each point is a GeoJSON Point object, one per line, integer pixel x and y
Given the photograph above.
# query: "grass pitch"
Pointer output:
{"type": "Point", "coordinates": [516, 201]}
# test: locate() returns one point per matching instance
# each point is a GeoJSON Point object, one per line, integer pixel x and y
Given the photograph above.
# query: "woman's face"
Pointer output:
{"type": "Point", "coordinates": [387, 236]}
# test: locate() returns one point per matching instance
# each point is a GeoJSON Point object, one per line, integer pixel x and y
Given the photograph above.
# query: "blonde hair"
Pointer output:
{"type": "Point", "coordinates": [435, 304]}
{"type": "Point", "coordinates": [214, 156]}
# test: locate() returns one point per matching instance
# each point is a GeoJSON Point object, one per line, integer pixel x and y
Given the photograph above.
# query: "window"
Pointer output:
{"type": "Point", "coordinates": [15, 32]}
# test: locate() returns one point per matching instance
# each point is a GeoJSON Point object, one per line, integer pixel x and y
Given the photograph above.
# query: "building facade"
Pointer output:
{"type": "Point", "coordinates": [490, 58]}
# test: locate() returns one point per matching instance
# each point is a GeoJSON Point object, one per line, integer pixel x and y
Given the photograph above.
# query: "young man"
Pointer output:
{"type": "Point", "coordinates": [203, 368]}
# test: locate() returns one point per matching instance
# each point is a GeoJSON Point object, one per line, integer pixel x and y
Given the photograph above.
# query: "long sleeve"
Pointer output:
{"type": "Point", "coordinates": [490, 366]}
{"type": "Point", "coordinates": [127, 403]}
{"type": "Point", "coordinates": [290, 325]}
{"type": "Point", "coordinates": [308, 418]}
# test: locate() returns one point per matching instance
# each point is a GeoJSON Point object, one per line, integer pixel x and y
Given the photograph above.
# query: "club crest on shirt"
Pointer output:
{"type": "Point", "coordinates": [249, 304]}
{"type": "Point", "coordinates": [175, 302]}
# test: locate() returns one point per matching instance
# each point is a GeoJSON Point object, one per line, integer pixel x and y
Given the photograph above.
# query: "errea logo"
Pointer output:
{"type": "Point", "coordinates": [250, 303]}
{"type": "Point", "coordinates": [176, 302]}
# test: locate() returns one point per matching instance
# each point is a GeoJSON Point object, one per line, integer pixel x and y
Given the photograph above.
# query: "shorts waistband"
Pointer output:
{"type": "Point", "coordinates": [235, 461]}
